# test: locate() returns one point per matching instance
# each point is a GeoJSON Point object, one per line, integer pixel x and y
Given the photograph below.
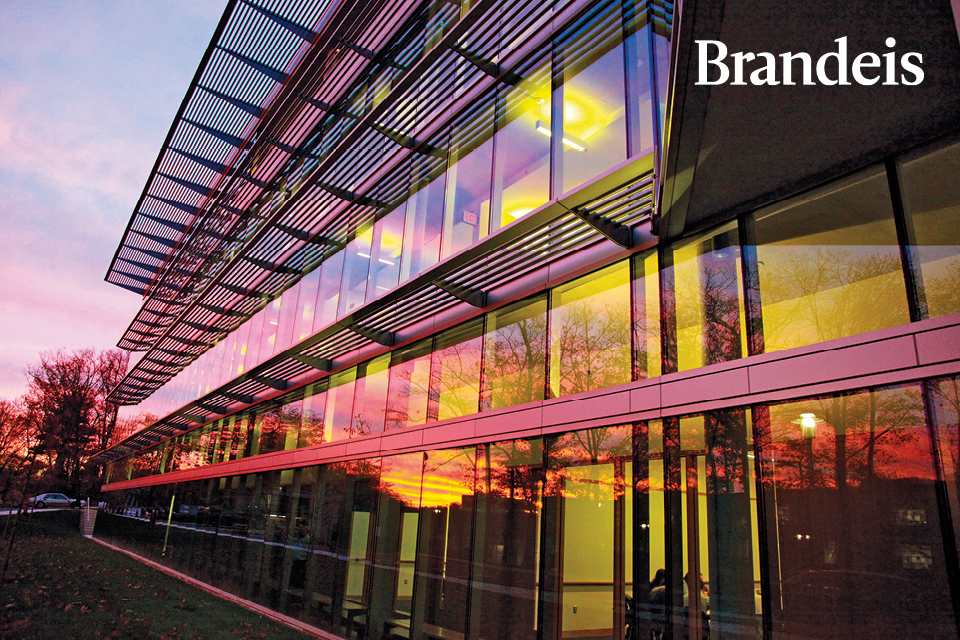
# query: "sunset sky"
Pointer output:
{"type": "Point", "coordinates": [88, 91]}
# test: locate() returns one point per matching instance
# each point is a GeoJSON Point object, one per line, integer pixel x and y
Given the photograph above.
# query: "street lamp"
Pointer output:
{"type": "Point", "coordinates": [808, 425]}
{"type": "Point", "coordinates": [808, 431]}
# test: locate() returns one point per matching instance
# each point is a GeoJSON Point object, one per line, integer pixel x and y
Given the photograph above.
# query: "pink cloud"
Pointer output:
{"type": "Point", "coordinates": [87, 93]}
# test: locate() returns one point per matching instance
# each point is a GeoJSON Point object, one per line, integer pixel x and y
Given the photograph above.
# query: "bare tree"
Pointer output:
{"type": "Point", "coordinates": [15, 440]}
{"type": "Point", "coordinates": [67, 391]}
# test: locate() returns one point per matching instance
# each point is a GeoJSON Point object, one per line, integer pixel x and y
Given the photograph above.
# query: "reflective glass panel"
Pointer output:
{"type": "Point", "coordinates": [522, 173]}
{"type": "Point", "coordinates": [455, 372]}
{"type": "Point", "coordinates": [590, 103]}
{"type": "Point", "coordinates": [251, 349]}
{"type": "Point", "coordinates": [328, 295]}
{"type": "Point", "coordinates": [369, 407]}
{"type": "Point", "coordinates": [292, 416]}
{"type": "Point", "coordinates": [312, 426]}
{"type": "Point", "coordinates": [398, 517]}
{"type": "Point", "coordinates": [409, 386]}
{"type": "Point", "coordinates": [328, 523]}
{"type": "Point", "coordinates": [421, 231]}
{"type": "Point", "coordinates": [356, 268]}
{"type": "Point", "coordinates": [703, 294]}
{"type": "Point", "coordinates": [647, 601]}
{"type": "Point", "coordinates": [506, 540]}
{"type": "Point", "coordinates": [466, 219]}
{"type": "Point", "coordinates": [229, 356]}
{"type": "Point", "coordinates": [358, 545]}
{"type": "Point", "coordinates": [515, 349]}
{"type": "Point", "coordinates": [338, 414]}
{"type": "Point", "coordinates": [931, 199]}
{"type": "Point", "coordinates": [854, 538]}
{"type": "Point", "coordinates": [444, 553]}
{"type": "Point", "coordinates": [646, 316]}
{"type": "Point", "coordinates": [298, 560]}
{"type": "Point", "coordinates": [721, 579]}
{"type": "Point", "coordinates": [640, 104]}
{"type": "Point", "coordinates": [590, 331]}
{"type": "Point", "coordinates": [829, 264]}
{"type": "Point", "coordinates": [268, 335]}
{"type": "Point", "coordinates": [288, 316]}
{"type": "Point", "coordinates": [385, 256]}
{"type": "Point", "coordinates": [306, 305]}
{"type": "Point", "coordinates": [584, 512]}
{"type": "Point", "coordinates": [944, 396]}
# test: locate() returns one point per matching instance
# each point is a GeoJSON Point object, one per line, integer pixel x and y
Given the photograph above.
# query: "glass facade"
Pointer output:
{"type": "Point", "coordinates": [825, 257]}
{"type": "Point", "coordinates": [820, 517]}
{"type": "Point", "coordinates": [794, 274]}
{"type": "Point", "coordinates": [788, 516]}
{"type": "Point", "coordinates": [505, 156]}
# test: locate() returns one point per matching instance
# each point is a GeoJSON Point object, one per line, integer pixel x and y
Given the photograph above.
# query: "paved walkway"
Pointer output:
{"type": "Point", "coordinates": [9, 512]}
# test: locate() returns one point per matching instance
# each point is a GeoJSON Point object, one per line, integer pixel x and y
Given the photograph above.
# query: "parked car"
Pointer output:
{"type": "Point", "coordinates": [52, 500]}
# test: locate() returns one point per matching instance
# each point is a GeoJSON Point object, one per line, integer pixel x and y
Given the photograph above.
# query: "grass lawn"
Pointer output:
{"type": "Point", "coordinates": [61, 585]}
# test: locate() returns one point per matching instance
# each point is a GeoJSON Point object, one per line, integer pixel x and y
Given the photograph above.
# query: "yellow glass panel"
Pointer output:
{"type": "Point", "coordinates": [829, 264]}
{"type": "Point", "coordinates": [590, 331]}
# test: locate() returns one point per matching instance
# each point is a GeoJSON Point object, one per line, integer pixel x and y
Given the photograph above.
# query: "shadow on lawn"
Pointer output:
{"type": "Point", "coordinates": [62, 585]}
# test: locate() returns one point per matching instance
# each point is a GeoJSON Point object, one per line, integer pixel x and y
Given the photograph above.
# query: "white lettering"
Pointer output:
{"type": "Point", "coordinates": [765, 71]}
{"type": "Point", "coordinates": [912, 68]}
{"type": "Point", "coordinates": [859, 64]}
{"type": "Point", "coordinates": [738, 60]}
{"type": "Point", "coordinates": [769, 70]}
{"type": "Point", "coordinates": [788, 59]}
{"type": "Point", "coordinates": [704, 61]}
{"type": "Point", "coordinates": [841, 57]}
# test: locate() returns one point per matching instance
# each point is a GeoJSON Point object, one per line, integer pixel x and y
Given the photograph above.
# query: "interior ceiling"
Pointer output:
{"type": "Point", "coordinates": [732, 148]}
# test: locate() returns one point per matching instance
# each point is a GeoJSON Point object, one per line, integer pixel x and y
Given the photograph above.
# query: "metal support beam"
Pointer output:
{"type": "Point", "coordinates": [170, 352]}
{"type": "Point", "coordinates": [371, 55]}
{"type": "Point", "coordinates": [471, 296]}
{"type": "Point", "coordinates": [301, 32]}
{"type": "Point", "coordinates": [189, 342]}
{"type": "Point", "coordinates": [286, 148]}
{"type": "Point", "coordinates": [230, 139]}
{"type": "Point", "coordinates": [213, 408]}
{"type": "Point", "coordinates": [614, 231]}
{"type": "Point", "coordinates": [277, 76]}
{"type": "Point", "coordinates": [275, 383]}
{"type": "Point", "coordinates": [386, 338]}
{"type": "Point", "coordinates": [213, 165]}
{"type": "Point", "coordinates": [198, 326]}
{"type": "Point", "coordinates": [260, 184]}
{"type": "Point", "coordinates": [221, 311]}
{"type": "Point", "coordinates": [320, 364]}
{"type": "Point", "coordinates": [238, 397]}
{"type": "Point", "coordinates": [166, 242]}
{"type": "Point", "coordinates": [156, 255]}
{"type": "Point", "coordinates": [270, 266]}
{"type": "Point", "coordinates": [319, 104]}
{"type": "Point", "coordinates": [179, 227]}
{"type": "Point", "coordinates": [193, 186]}
{"type": "Point", "coordinates": [251, 109]}
{"type": "Point", "coordinates": [145, 334]}
{"type": "Point", "coordinates": [489, 67]}
{"type": "Point", "coordinates": [133, 277]}
{"type": "Point", "coordinates": [408, 142]}
{"type": "Point", "coordinates": [350, 196]}
{"type": "Point", "coordinates": [152, 268]}
{"type": "Point", "coordinates": [306, 236]}
{"type": "Point", "coordinates": [243, 291]}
